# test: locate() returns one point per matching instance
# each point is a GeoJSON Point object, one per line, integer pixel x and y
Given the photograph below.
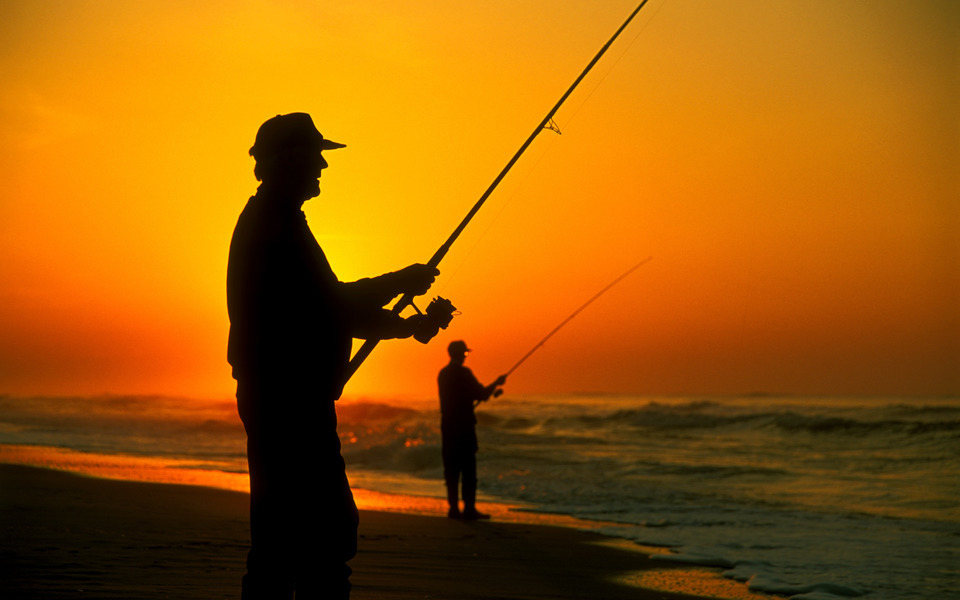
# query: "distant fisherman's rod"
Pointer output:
{"type": "Point", "coordinates": [576, 312]}
{"type": "Point", "coordinates": [547, 123]}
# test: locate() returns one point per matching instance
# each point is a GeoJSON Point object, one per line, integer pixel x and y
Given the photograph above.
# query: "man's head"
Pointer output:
{"type": "Point", "coordinates": [288, 154]}
{"type": "Point", "coordinates": [458, 351]}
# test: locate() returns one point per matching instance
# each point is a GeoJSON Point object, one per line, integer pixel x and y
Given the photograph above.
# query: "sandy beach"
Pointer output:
{"type": "Point", "coordinates": [70, 536]}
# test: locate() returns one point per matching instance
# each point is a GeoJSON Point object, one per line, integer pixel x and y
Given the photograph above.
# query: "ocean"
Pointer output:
{"type": "Point", "coordinates": [813, 498]}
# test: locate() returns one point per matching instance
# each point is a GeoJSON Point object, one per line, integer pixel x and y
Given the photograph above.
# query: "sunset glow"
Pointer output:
{"type": "Point", "coordinates": [790, 166]}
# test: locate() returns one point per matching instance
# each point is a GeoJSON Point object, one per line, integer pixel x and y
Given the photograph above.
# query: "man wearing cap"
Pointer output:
{"type": "Point", "coordinates": [459, 393]}
{"type": "Point", "coordinates": [291, 327]}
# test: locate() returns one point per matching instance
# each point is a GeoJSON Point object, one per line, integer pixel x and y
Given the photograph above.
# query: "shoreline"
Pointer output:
{"type": "Point", "coordinates": [170, 471]}
{"type": "Point", "coordinates": [68, 535]}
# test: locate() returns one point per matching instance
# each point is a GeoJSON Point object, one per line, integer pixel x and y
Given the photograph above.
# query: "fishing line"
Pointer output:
{"type": "Point", "coordinates": [613, 66]}
{"type": "Point", "coordinates": [552, 126]}
{"type": "Point", "coordinates": [449, 277]}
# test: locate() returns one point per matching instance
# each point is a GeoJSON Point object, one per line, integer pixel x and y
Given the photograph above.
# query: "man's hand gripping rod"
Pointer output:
{"type": "Point", "coordinates": [406, 300]}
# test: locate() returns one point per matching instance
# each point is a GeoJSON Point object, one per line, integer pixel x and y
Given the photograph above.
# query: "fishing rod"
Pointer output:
{"type": "Point", "coordinates": [577, 312]}
{"type": "Point", "coordinates": [567, 320]}
{"type": "Point", "coordinates": [441, 309]}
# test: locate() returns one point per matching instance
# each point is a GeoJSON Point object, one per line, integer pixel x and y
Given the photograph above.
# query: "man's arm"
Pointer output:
{"type": "Point", "coordinates": [375, 292]}
{"type": "Point", "coordinates": [481, 393]}
{"type": "Point", "coordinates": [364, 301]}
{"type": "Point", "coordinates": [381, 324]}
{"type": "Point", "coordinates": [492, 389]}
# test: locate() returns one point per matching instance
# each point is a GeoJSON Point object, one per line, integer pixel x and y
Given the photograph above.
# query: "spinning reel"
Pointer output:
{"type": "Point", "coordinates": [438, 315]}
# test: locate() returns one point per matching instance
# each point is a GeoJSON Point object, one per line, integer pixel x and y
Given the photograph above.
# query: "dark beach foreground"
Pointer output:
{"type": "Point", "coordinates": [70, 536]}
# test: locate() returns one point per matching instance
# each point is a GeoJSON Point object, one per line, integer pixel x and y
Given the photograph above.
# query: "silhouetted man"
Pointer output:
{"type": "Point", "coordinates": [459, 393]}
{"type": "Point", "coordinates": [291, 328]}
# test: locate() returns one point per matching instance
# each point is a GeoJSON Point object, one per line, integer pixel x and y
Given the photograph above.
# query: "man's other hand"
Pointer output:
{"type": "Point", "coordinates": [423, 327]}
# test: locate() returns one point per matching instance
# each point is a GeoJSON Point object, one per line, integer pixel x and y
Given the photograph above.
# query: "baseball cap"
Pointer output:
{"type": "Point", "coordinates": [457, 346]}
{"type": "Point", "coordinates": [285, 131]}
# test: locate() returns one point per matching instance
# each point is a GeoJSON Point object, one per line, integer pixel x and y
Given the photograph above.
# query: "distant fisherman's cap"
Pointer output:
{"type": "Point", "coordinates": [287, 131]}
{"type": "Point", "coordinates": [457, 347]}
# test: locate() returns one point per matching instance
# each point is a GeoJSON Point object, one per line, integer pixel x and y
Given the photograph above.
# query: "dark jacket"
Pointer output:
{"type": "Point", "coordinates": [458, 388]}
{"type": "Point", "coordinates": [291, 319]}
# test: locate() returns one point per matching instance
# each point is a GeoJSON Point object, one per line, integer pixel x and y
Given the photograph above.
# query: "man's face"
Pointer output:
{"type": "Point", "coordinates": [298, 171]}
{"type": "Point", "coordinates": [306, 170]}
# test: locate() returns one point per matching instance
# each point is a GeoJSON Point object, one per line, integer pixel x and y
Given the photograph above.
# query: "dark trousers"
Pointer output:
{"type": "Point", "coordinates": [303, 520]}
{"type": "Point", "coordinates": [460, 462]}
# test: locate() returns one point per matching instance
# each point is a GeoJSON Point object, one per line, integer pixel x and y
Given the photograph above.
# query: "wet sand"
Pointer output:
{"type": "Point", "coordinates": [71, 536]}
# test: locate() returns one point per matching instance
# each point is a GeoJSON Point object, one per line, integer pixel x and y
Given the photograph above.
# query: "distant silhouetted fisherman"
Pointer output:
{"type": "Point", "coordinates": [291, 324]}
{"type": "Point", "coordinates": [459, 390]}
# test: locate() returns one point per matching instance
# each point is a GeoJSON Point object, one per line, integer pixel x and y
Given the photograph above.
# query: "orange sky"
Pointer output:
{"type": "Point", "coordinates": [789, 165]}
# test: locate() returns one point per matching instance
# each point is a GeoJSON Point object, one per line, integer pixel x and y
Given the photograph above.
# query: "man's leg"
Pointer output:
{"type": "Point", "coordinates": [451, 476]}
{"type": "Point", "coordinates": [328, 539]}
{"type": "Point", "coordinates": [268, 568]}
{"type": "Point", "coordinates": [268, 561]}
{"type": "Point", "coordinates": [327, 515]}
{"type": "Point", "coordinates": [470, 488]}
